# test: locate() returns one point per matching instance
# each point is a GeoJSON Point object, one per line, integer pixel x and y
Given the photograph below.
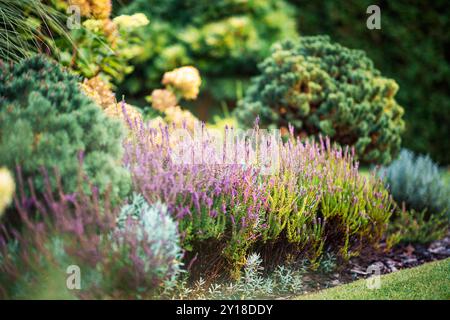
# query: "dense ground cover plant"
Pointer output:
{"type": "Point", "coordinates": [120, 252]}
{"type": "Point", "coordinates": [321, 87]}
{"type": "Point", "coordinates": [411, 226]}
{"type": "Point", "coordinates": [47, 122]}
{"type": "Point", "coordinates": [411, 42]}
{"type": "Point", "coordinates": [316, 198]}
{"type": "Point", "coordinates": [224, 39]}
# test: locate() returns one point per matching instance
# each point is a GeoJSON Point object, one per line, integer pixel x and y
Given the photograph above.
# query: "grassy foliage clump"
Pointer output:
{"type": "Point", "coordinates": [411, 226]}
{"type": "Point", "coordinates": [28, 27]}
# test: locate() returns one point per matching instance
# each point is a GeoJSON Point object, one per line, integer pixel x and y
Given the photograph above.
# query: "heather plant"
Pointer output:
{"type": "Point", "coordinates": [47, 122]}
{"type": "Point", "coordinates": [209, 202]}
{"type": "Point", "coordinates": [418, 182]}
{"type": "Point", "coordinates": [117, 258]}
{"type": "Point", "coordinates": [321, 87]}
{"type": "Point", "coordinates": [226, 202]}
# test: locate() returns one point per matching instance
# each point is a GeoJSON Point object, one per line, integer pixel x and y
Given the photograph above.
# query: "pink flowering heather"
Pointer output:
{"type": "Point", "coordinates": [312, 198]}
{"type": "Point", "coordinates": [209, 200]}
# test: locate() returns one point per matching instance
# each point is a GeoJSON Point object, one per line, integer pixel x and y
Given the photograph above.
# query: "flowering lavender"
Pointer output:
{"type": "Point", "coordinates": [217, 190]}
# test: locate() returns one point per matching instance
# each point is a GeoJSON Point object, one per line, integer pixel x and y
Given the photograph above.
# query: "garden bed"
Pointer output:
{"type": "Point", "coordinates": [204, 150]}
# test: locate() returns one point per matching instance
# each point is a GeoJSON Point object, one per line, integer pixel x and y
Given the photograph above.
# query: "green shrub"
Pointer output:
{"type": "Point", "coordinates": [46, 122]}
{"type": "Point", "coordinates": [410, 47]}
{"type": "Point", "coordinates": [417, 181]}
{"type": "Point", "coordinates": [224, 39]}
{"type": "Point", "coordinates": [321, 87]}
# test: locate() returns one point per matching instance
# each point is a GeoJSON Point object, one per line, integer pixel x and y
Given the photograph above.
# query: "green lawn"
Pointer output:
{"type": "Point", "coordinates": [429, 281]}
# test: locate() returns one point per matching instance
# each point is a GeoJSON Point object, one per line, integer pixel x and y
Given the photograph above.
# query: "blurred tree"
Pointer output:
{"type": "Point", "coordinates": [410, 47]}
{"type": "Point", "coordinates": [224, 39]}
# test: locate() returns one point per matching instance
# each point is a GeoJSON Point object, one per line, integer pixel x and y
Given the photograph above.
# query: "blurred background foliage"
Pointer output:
{"type": "Point", "coordinates": [322, 88]}
{"type": "Point", "coordinates": [226, 39]}
{"type": "Point", "coordinates": [410, 47]}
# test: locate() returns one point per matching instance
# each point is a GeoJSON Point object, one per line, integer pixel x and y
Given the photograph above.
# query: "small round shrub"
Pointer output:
{"type": "Point", "coordinates": [46, 122]}
{"type": "Point", "coordinates": [417, 181]}
{"type": "Point", "coordinates": [151, 225]}
{"type": "Point", "coordinates": [418, 60]}
{"type": "Point", "coordinates": [321, 87]}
